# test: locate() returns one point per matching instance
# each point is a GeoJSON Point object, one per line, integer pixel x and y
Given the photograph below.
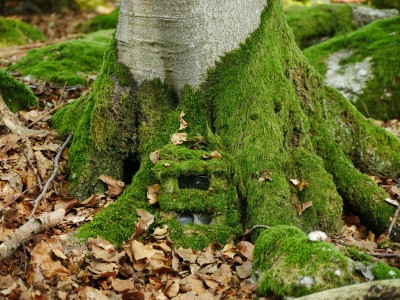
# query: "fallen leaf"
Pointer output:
{"type": "Point", "coordinates": [246, 249]}
{"type": "Point", "coordinates": [89, 293]}
{"type": "Point", "coordinates": [300, 185]}
{"type": "Point", "coordinates": [185, 254]}
{"type": "Point", "coordinates": [304, 206]}
{"type": "Point", "coordinates": [43, 164]}
{"type": "Point", "coordinates": [265, 175]}
{"type": "Point", "coordinates": [154, 156]}
{"type": "Point", "coordinates": [120, 285]}
{"type": "Point", "coordinates": [152, 193]}
{"type": "Point", "coordinates": [213, 154]}
{"type": "Point", "coordinates": [172, 287]}
{"type": "Point", "coordinates": [114, 186]}
{"type": "Point", "coordinates": [183, 123]}
{"type": "Point", "coordinates": [393, 202]}
{"type": "Point", "coordinates": [244, 270]}
{"type": "Point", "coordinates": [178, 138]}
{"type": "Point", "coordinates": [395, 190]}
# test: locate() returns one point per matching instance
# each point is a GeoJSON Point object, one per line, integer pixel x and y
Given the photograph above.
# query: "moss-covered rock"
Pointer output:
{"type": "Point", "coordinates": [289, 264]}
{"type": "Point", "coordinates": [14, 33]}
{"type": "Point", "coordinates": [67, 62]}
{"type": "Point", "coordinates": [100, 22]}
{"type": "Point", "coordinates": [15, 94]}
{"type": "Point", "coordinates": [365, 66]}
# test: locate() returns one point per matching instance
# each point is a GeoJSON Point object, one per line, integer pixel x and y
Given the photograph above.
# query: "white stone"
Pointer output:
{"type": "Point", "coordinates": [317, 236]}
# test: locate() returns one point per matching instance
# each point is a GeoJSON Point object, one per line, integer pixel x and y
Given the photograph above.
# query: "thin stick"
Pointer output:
{"type": "Point", "coordinates": [393, 221]}
{"type": "Point", "coordinates": [388, 255]}
{"type": "Point", "coordinates": [53, 175]}
{"type": "Point", "coordinates": [249, 231]}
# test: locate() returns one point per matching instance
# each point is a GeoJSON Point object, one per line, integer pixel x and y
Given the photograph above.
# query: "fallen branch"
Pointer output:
{"type": "Point", "coordinates": [386, 255]}
{"type": "Point", "coordinates": [249, 231]}
{"type": "Point", "coordinates": [26, 231]}
{"type": "Point", "coordinates": [53, 175]}
{"type": "Point", "coordinates": [382, 289]}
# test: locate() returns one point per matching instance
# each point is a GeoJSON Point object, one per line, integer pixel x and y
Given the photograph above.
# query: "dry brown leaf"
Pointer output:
{"type": "Point", "coordinates": [265, 175]}
{"type": "Point", "coordinates": [223, 275]}
{"type": "Point", "coordinates": [154, 156]}
{"type": "Point", "coordinates": [246, 249]}
{"type": "Point", "coordinates": [395, 190]}
{"type": "Point", "coordinates": [183, 123]}
{"type": "Point", "coordinates": [120, 285]}
{"type": "Point", "coordinates": [244, 270]}
{"type": "Point", "coordinates": [160, 233]}
{"type": "Point", "coordinates": [114, 186]}
{"type": "Point", "coordinates": [141, 251]}
{"type": "Point", "coordinates": [92, 200]}
{"type": "Point", "coordinates": [101, 269]}
{"type": "Point", "coordinates": [213, 154]}
{"type": "Point", "coordinates": [178, 138]}
{"type": "Point", "coordinates": [300, 185]}
{"type": "Point", "coordinates": [228, 251]}
{"type": "Point", "coordinates": [89, 293]}
{"type": "Point", "coordinates": [43, 164]}
{"type": "Point", "coordinates": [382, 238]}
{"type": "Point", "coordinates": [66, 204]}
{"type": "Point", "coordinates": [204, 258]}
{"type": "Point", "coordinates": [143, 223]}
{"type": "Point", "coordinates": [185, 254]}
{"type": "Point", "coordinates": [172, 287]}
{"type": "Point", "coordinates": [191, 283]}
{"type": "Point", "coordinates": [152, 193]}
{"type": "Point", "coordinates": [304, 206]}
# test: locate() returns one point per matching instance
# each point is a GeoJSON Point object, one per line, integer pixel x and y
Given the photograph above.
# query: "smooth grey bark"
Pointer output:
{"type": "Point", "coordinates": [177, 41]}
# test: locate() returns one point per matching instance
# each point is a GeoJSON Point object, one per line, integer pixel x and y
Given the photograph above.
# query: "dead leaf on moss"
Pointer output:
{"type": "Point", "coordinates": [178, 138]}
{"type": "Point", "coordinates": [393, 202]}
{"type": "Point", "coordinates": [114, 186]}
{"type": "Point", "coordinates": [213, 154]}
{"type": "Point", "coordinates": [154, 156]}
{"type": "Point", "coordinates": [152, 193]}
{"type": "Point", "coordinates": [160, 233]}
{"type": "Point", "coordinates": [246, 249]}
{"type": "Point", "coordinates": [183, 123]}
{"type": "Point", "coordinates": [305, 206]}
{"type": "Point", "coordinates": [300, 185]}
{"type": "Point", "coordinates": [265, 175]}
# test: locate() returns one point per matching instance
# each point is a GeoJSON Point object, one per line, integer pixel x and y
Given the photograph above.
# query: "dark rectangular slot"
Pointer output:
{"type": "Point", "coordinates": [199, 182]}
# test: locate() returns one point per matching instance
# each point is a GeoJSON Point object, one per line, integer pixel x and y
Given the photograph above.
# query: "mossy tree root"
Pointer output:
{"type": "Point", "coordinates": [265, 106]}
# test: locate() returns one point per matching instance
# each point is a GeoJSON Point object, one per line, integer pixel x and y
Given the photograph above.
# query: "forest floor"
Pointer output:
{"type": "Point", "coordinates": [49, 265]}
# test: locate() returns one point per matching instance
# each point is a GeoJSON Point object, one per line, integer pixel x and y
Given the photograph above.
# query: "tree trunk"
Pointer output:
{"type": "Point", "coordinates": [260, 106]}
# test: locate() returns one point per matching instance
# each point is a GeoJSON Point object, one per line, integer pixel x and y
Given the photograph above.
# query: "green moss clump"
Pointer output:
{"type": "Point", "coordinates": [67, 62]}
{"type": "Point", "coordinates": [379, 41]}
{"type": "Point", "coordinates": [15, 94]}
{"type": "Point", "coordinates": [383, 271]}
{"type": "Point", "coordinates": [100, 22]}
{"type": "Point", "coordinates": [313, 23]}
{"type": "Point", "coordinates": [14, 32]}
{"type": "Point", "coordinates": [289, 264]}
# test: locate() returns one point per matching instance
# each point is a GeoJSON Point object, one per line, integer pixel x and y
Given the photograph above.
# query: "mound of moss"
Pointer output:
{"type": "Point", "coordinates": [375, 45]}
{"type": "Point", "coordinates": [311, 24]}
{"type": "Point", "coordinates": [67, 62]}
{"type": "Point", "coordinates": [15, 94]}
{"type": "Point", "coordinates": [100, 22]}
{"type": "Point", "coordinates": [14, 33]}
{"type": "Point", "coordinates": [289, 264]}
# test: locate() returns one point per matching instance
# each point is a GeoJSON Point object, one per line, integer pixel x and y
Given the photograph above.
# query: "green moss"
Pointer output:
{"type": "Point", "coordinates": [67, 62]}
{"type": "Point", "coordinates": [100, 22]}
{"type": "Point", "coordinates": [314, 23]}
{"type": "Point", "coordinates": [15, 94]}
{"type": "Point", "coordinates": [378, 40]}
{"type": "Point", "coordinates": [65, 118]}
{"type": "Point", "coordinates": [284, 256]}
{"type": "Point", "coordinates": [383, 271]}
{"type": "Point", "coordinates": [14, 32]}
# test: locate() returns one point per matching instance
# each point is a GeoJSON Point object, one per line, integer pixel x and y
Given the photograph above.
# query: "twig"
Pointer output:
{"type": "Point", "coordinates": [375, 254]}
{"type": "Point", "coordinates": [58, 106]}
{"type": "Point", "coordinates": [31, 60]}
{"type": "Point", "coordinates": [393, 221]}
{"type": "Point", "coordinates": [249, 231]}
{"type": "Point", "coordinates": [53, 175]}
